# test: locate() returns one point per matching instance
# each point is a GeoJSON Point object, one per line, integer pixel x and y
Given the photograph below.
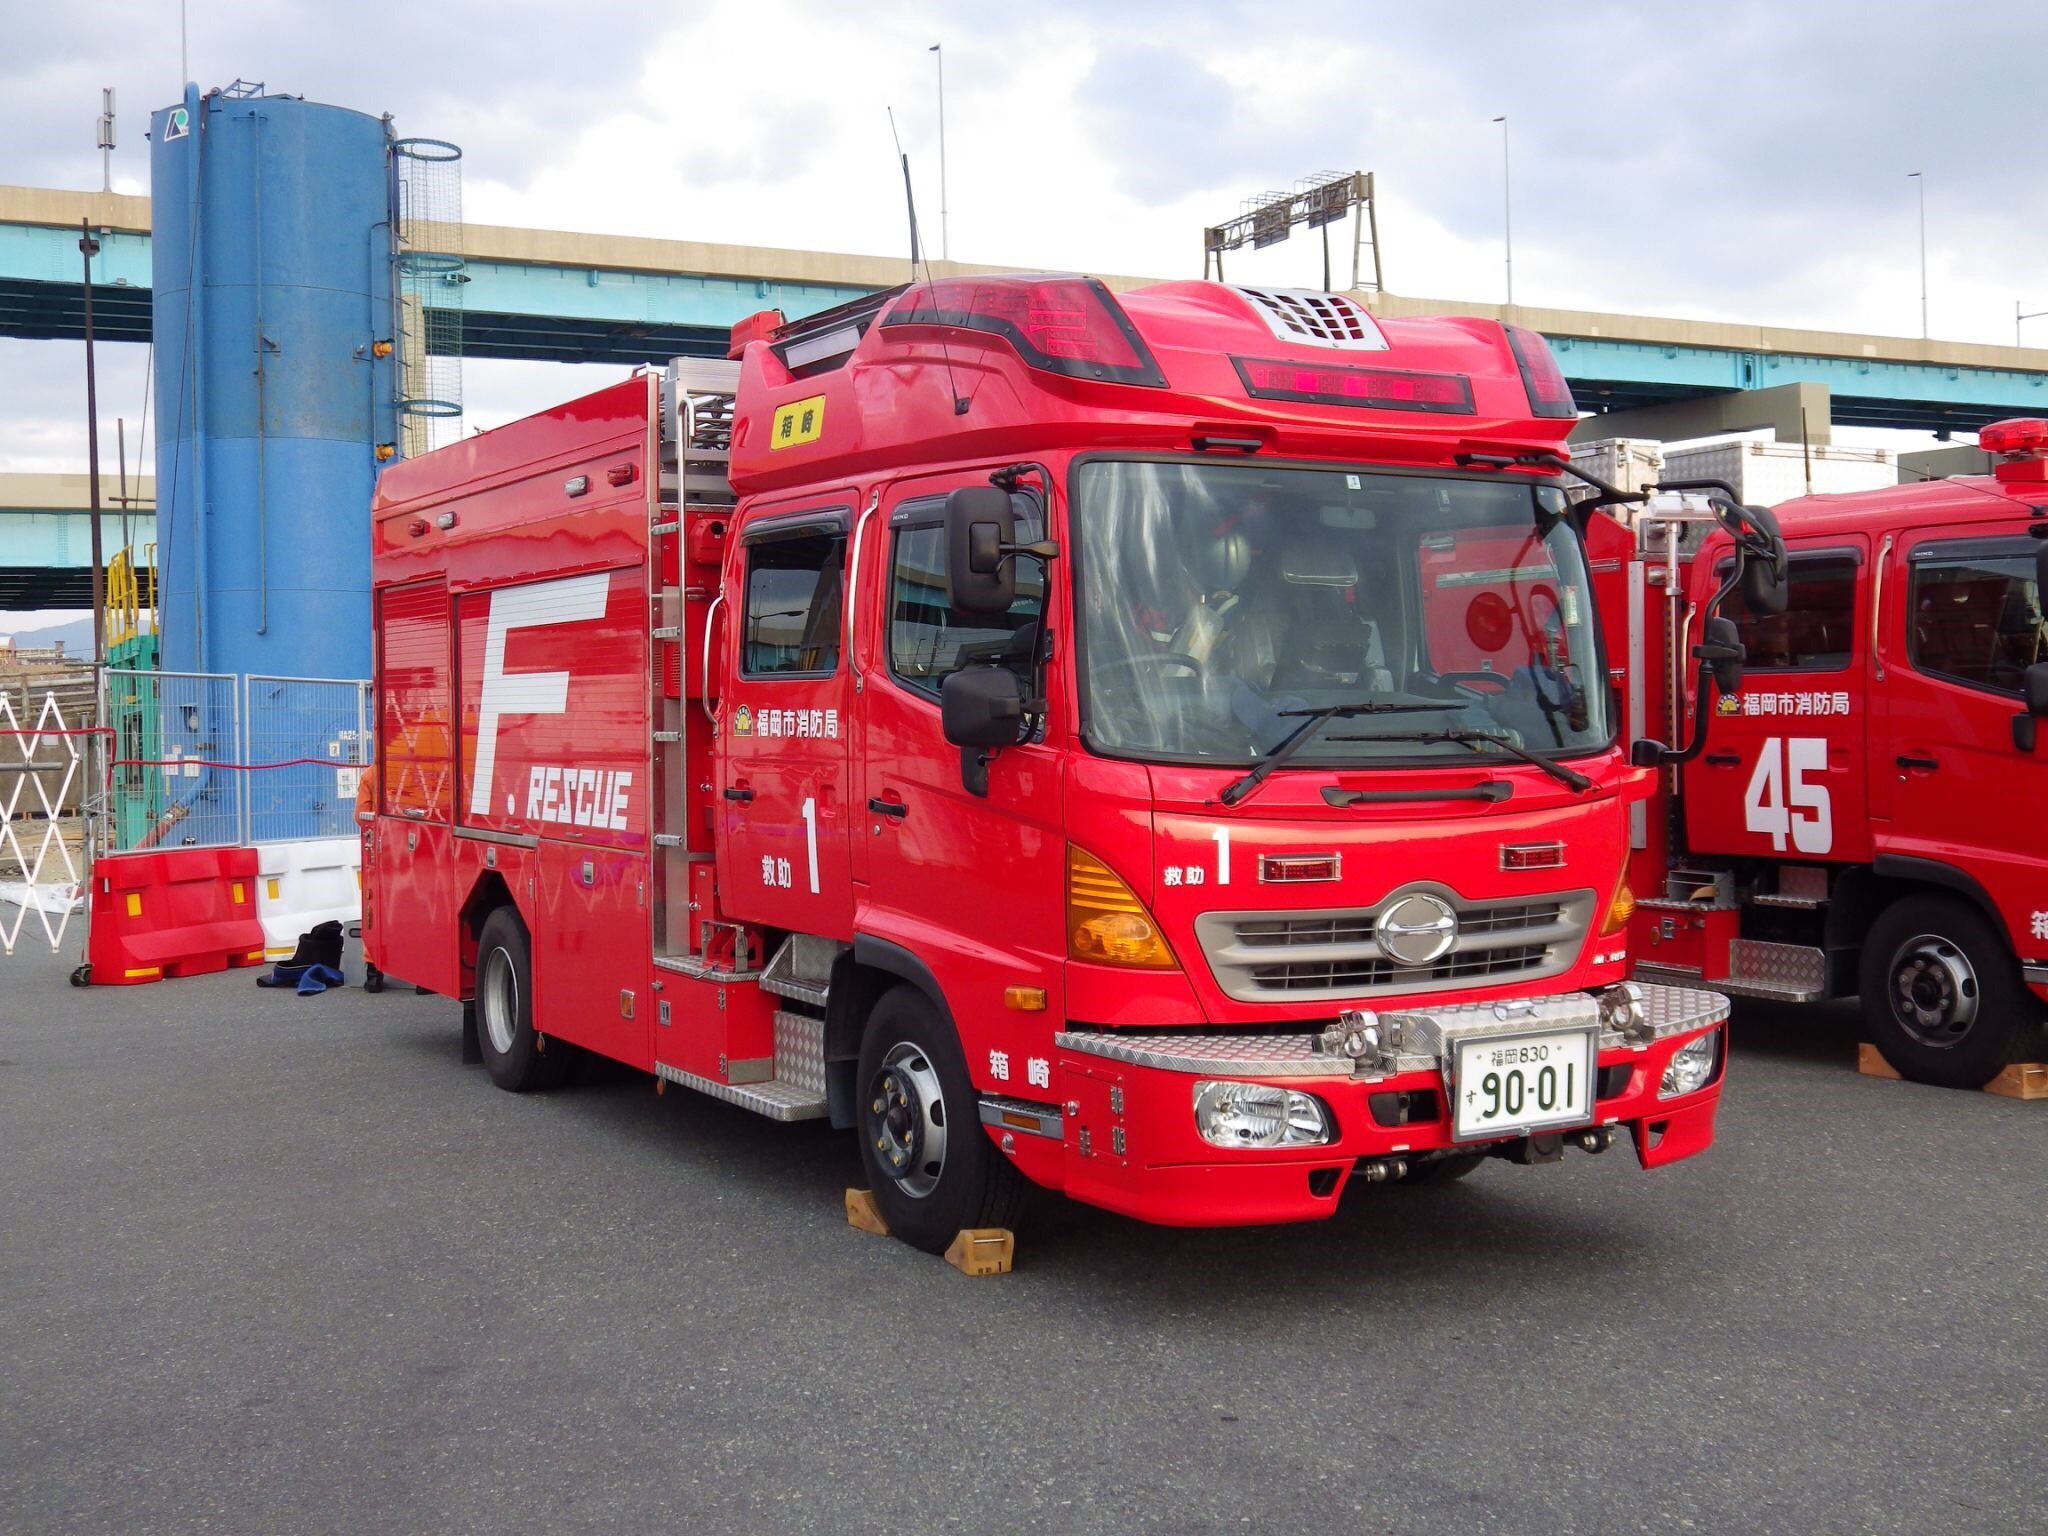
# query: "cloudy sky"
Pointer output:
{"type": "Point", "coordinates": [1741, 161]}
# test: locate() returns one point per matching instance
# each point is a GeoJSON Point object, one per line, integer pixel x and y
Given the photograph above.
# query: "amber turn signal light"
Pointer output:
{"type": "Point", "coordinates": [1619, 910]}
{"type": "Point", "coordinates": [1106, 923]}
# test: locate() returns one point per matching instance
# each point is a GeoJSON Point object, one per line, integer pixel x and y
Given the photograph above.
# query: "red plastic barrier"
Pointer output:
{"type": "Point", "coordinates": [173, 912]}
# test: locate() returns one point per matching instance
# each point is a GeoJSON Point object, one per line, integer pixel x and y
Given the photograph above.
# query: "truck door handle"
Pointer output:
{"type": "Point", "coordinates": [883, 807]}
{"type": "Point", "coordinates": [1928, 763]}
{"type": "Point", "coordinates": [1723, 759]}
{"type": "Point", "coordinates": [743, 796]}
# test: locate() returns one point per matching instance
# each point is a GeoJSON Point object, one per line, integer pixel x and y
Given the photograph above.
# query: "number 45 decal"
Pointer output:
{"type": "Point", "coordinates": [1781, 800]}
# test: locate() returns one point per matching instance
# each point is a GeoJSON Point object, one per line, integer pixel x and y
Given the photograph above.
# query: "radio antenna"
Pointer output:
{"type": "Point", "coordinates": [960, 404]}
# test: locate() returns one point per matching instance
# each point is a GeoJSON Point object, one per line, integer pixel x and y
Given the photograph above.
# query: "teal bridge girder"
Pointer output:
{"type": "Point", "coordinates": [571, 313]}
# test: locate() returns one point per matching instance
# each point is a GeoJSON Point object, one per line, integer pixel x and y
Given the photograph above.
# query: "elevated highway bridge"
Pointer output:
{"type": "Point", "coordinates": [568, 297]}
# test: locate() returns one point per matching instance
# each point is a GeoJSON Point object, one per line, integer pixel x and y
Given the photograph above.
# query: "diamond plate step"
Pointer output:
{"type": "Point", "coordinates": [1791, 973]}
{"type": "Point", "coordinates": [776, 1099]}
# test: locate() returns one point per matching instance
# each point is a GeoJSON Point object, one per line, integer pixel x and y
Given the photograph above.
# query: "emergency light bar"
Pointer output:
{"type": "Point", "coordinates": [1380, 389]}
{"type": "Point", "coordinates": [2022, 434]}
{"type": "Point", "coordinates": [1066, 325]}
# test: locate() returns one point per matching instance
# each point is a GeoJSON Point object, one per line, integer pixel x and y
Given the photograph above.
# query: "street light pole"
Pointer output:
{"type": "Point", "coordinates": [945, 242]}
{"type": "Point", "coordinates": [1921, 182]}
{"type": "Point", "coordinates": [2017, 317]}
{"type": "Point", "coordinates": [87, 249]}
{"type": "Point", "coordinates": [1507, 207]}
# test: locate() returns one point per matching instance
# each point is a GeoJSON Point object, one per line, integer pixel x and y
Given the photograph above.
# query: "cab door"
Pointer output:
{"type": "Point", "coordinates": [1962, 629]}
{"type": "Point", "coordinates": [783, 748]}
{"type": "Point", "coordinates": [972, 884]}
{"type": "Point", "coordinates": [1784, 775]}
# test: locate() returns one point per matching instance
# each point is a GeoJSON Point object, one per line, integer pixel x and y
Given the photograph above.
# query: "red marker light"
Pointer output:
{"type": "Point", "coordinates": [1067, 325]}
{"type": "Point", "coordinates": [1381, 389]}
{"type": "Point", "coordinates": [1549, 394]}
{"type": "Point", "coordinates": [2022, 434]}
{"type": "Point", "coordinates": [759, 326]}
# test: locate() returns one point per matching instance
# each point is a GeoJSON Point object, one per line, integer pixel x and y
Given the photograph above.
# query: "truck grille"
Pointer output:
{"type": "Point", "coordinates": [1317, 956]}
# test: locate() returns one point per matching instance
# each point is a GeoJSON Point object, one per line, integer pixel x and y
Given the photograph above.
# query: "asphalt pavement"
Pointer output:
{"type": "Point", "coordinates": [272, 1264]}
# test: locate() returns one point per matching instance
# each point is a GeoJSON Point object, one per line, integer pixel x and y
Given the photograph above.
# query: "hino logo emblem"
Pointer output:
{"type": "Point", "coordinates": [1416, 929]}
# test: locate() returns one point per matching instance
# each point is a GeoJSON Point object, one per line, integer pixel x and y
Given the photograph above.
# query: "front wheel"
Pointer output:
{"type": "Point", "coordinates": [504, 1009]}
{"type": "Point", "coordinates": [931, 1166]}
{"type": "Point", "coordinates": [1942, 997]}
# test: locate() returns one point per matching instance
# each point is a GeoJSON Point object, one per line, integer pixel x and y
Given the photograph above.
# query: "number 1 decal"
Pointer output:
{"type": "Point", "coordinates": [811, 838]}
{"type": "Point", "coordinates": [1781, 800]}
{"type": "Point", "coordinates": [1222, 836]}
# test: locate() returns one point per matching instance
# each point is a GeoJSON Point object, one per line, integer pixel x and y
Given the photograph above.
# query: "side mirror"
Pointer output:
{"type": "Point", "coordinates": [1764, 588]}
{"type": "Point", "coordinates": [982, 707]}
{"type": "Point", "coordinates": [979, 524]}
{"type": "Point", "coordinates": [2034, 688]}
{"type": "Point", "coordinates": [1722, 651]}
{"type": "Point", "coordinates": [1645, 753]}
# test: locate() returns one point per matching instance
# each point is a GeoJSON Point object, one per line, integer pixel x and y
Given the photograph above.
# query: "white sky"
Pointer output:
{"type": "Point", "coordinates": [1743, 161]}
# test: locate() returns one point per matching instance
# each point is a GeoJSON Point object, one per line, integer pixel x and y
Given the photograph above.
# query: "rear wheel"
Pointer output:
{"type": "Point", "coordinates": [504, 1009]}
{"type": "Point", "coordinates": [930, 1165]}
{"type": "Point", "coordinates": [1942, 998]}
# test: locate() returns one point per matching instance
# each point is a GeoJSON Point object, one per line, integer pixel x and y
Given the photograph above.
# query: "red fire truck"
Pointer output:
{"type": "Point", "coordinates": [1158, 748]}
{"type": "Point", "coordinates": [1861, 825]}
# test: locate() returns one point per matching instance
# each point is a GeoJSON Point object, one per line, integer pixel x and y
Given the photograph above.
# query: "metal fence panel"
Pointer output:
{"type": "Point", "coordinates": [303, 743]}
{"type": "Point", "coordinates": [177, 751]}
{"type": "Point", "coordinates": [46, 773]}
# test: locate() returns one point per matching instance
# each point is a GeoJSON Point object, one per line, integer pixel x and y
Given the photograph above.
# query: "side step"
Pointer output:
{"type": "Point", "coordinates": [797, 1089]}
{"type": "Point", "coordinates": [1785, 973]}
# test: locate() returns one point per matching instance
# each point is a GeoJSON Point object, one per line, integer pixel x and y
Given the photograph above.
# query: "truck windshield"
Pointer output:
{"type": "Point", "coordinates": [1217, 602]}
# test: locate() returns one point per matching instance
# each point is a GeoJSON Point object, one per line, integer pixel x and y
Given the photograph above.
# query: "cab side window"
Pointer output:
{"type": "Point", "coordinates": [1817, 630]}
{"type": "Point", "coordinates": [1975, 615]}
{"type": "Point", "coordinates": [795, 604]}
{"type": "Point", "coordinates": [927, 640]}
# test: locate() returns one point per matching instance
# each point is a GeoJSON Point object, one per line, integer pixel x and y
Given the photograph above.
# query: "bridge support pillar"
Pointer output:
{"type": "Point", "coordinates": [1786, 409]}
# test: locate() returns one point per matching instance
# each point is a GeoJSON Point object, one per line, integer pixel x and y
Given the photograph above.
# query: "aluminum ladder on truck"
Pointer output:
{"type": "Point", "coordinates": [697, 400]}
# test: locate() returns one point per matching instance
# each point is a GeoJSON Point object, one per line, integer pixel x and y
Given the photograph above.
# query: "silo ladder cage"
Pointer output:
{"type": "Point", "coordinates": [430, 274]}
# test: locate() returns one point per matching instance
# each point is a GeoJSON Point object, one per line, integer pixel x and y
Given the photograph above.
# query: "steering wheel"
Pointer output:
{"type": "Point", "coordinates": [1137, 663]}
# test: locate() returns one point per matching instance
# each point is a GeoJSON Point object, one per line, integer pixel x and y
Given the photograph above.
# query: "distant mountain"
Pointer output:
{"type": "Point", "coordinates": [76, 635]}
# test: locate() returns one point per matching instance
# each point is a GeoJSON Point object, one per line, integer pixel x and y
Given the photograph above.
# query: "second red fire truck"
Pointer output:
{"type": "Point", "coordinates": [1866, 821]}
{"type": "Point", "coordinates": [1156, 747]}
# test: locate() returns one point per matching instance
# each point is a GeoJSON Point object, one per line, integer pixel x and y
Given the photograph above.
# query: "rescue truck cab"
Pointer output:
{"type": "Point", "coordinates": [1156, 747]}
{"type": "Point", "coordinates": [1867, 821]}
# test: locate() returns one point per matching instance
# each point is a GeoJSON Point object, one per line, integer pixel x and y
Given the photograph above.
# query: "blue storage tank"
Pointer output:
{"type": "Point", "coordinates": [272, 292]}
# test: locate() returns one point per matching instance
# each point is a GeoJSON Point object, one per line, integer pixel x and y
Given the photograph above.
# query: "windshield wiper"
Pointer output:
{"type": "Point", "coordinates": [1570, 777]}
{"type": "Point", "coordinates": [1315, 719]}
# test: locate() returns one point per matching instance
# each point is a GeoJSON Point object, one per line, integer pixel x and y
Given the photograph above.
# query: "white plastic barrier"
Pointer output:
{"type": "Point", "coordinates": [301, 884]}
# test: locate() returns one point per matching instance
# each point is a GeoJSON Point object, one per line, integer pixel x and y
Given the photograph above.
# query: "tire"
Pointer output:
{"type": "Point", "coordinates": [1443, 1170]}
{"type": "Point", "coordinates": [1943, 999]}
{"type": "Point", "coordinates": [917, 1101]}
{"type": "Point", "coordinates": [504, 1009]}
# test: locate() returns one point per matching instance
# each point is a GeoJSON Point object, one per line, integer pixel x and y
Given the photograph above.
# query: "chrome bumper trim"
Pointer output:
{"type": "Point", "coordinates": [2035, 974]}
{"type": "Point", "coordinates": [1269, 1053]}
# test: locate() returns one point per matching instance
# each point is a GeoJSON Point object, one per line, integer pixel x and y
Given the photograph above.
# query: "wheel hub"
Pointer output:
{"type": "Point", "coordinates": [1933, 991]}
{"type": "Point", "coordinates": [499, 1000]}
{"type": "Point", "coordinates": [904, 1121]}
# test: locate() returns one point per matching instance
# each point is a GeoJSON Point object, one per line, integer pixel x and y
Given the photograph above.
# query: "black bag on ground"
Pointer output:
{"type": "Point", "coordinates": [322, 946]}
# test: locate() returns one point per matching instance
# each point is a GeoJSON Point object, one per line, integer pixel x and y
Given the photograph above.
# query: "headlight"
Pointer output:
{"type": "Point", "coordinates": [1692, 1065]}
{"type": "Point", "coordinates": [1253, 1115]}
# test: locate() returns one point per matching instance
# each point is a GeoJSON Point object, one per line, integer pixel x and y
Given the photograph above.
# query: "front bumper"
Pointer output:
{"type": "Point", "coordinates": [1126, 1137]}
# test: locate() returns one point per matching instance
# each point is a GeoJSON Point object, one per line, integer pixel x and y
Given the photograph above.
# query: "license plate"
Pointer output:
{"type": "Point", "coordinates": [1507, 1085]}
